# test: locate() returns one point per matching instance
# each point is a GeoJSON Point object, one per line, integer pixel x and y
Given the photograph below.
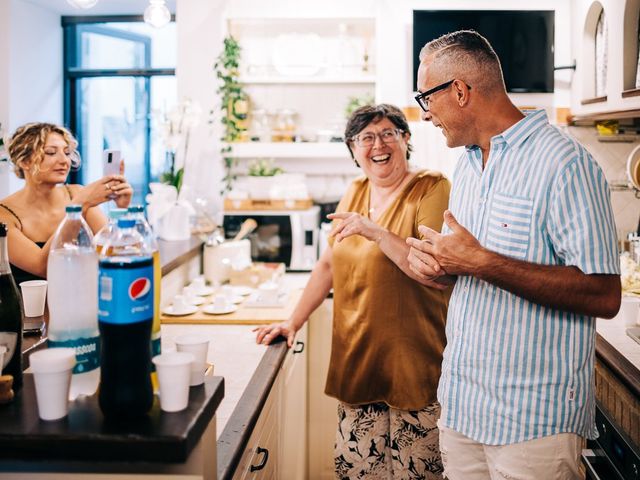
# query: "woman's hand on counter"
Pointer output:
{"type": "Point", "coordinates": [269, 333]}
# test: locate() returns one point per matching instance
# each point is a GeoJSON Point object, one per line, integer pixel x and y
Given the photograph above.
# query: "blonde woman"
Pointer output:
{"type": "Point", "coordinates": [43, 154]}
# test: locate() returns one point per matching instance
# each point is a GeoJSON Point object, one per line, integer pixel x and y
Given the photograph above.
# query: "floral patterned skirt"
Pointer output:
{"type": "Point", "coordinates": [375, 441]}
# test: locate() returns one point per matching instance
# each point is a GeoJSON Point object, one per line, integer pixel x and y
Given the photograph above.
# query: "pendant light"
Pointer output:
{"type": "Point", "coordinates": [157, 14]}
{"type": "Point", "coordinates": [82, 3]}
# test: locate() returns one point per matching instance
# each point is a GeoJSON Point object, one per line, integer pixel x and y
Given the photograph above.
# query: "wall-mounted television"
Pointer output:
{"type": "Point", "coordinates": [522, 39]}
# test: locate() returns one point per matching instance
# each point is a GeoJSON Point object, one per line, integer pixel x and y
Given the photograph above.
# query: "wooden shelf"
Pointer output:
{"type": "Point", "coordinates": [311, 80]}
{"type": "Point", "coordinates": [611, 115]}
{"type": "Point", "coordinates": [288, 150]}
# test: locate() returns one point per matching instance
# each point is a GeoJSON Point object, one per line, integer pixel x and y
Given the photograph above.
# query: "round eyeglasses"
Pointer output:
{"type": "Point", "coordinates": [367, 139]}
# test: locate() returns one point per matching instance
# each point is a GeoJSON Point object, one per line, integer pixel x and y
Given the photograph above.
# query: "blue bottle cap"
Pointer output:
{"type": "Point", "coordinates": [116, 213]}
{"type": "Point", "coordinates": [126, 222]}
{"type": "Point", "coordinates": [73, 208]}
{"type": "Point", "coordinates": [136, 209]}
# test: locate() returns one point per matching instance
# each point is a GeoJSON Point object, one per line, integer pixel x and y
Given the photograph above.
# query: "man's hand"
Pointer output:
{"type": "Point", "coordinates": [458, 253]}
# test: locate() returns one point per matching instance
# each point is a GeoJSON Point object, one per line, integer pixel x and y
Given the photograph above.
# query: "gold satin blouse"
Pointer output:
{"type": "Point", "coordinates": [388, 330]}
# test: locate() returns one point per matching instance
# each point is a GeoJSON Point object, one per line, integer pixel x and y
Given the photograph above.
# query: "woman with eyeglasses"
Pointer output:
{"type": "Point", "coordinates": [388, 330]}
{"type": "Point", "coordinates": [43, 154]}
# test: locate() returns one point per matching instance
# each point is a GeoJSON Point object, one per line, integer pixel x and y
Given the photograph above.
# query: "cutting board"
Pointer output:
{"type": "Point", "coordinates": [242, 316]}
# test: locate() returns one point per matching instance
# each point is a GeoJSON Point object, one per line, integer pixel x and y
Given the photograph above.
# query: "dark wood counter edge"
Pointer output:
{"type": "Point", "coordinates": [174, 254]}
{"type": "Point", "coordinates": [240, 425]}
{"type": "Point", "coordinates": [618, 364]}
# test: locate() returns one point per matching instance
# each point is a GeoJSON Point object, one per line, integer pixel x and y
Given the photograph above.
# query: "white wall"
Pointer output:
{"type": "Point", "coordinates": [201, 29]}
{"type": "Point", "coordinates": [31, 71]}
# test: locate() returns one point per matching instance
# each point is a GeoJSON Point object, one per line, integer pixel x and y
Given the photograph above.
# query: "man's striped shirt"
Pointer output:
{"type": "Point", "coordinates": [514, 370]}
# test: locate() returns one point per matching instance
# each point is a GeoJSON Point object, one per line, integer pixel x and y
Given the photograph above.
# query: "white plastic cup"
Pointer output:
{"type": "Point", "coordinates": [52, 375]}
{"type": "Point", "coordinates": [34, 293]}
{"type": "Point", "coordinates": [174, 375]}
{"type": "Point", "coordinates": [199, 347]}
{"type": "Point", "coordinates": [629, 310]}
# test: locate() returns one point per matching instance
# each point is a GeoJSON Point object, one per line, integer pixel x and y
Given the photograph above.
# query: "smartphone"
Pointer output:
{"type": "Point", "coordinates": [111, 162]}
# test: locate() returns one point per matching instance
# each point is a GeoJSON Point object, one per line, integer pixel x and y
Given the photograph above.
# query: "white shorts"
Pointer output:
{"type": "Point", "coordinates": [556, 457]}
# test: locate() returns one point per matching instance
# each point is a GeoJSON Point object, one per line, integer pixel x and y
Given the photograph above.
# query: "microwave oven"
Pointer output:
{"type": "Point", "coordinates": [287, 236]}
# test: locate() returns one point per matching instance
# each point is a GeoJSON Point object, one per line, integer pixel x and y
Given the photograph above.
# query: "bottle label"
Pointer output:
{"type": "Point", "coordinates": [125, 295]}
{"type": "Point", "coordinates": [87, 352]}
{"type": "Point", "coordinates": [8, 340]}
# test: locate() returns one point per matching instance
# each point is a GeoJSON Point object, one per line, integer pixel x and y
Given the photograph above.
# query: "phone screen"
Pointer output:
{"type": "Point", "coordinates": [111, 162]}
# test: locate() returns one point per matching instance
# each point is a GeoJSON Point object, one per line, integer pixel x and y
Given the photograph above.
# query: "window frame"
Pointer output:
{"type": "Point", "coordinates": [72, 27]}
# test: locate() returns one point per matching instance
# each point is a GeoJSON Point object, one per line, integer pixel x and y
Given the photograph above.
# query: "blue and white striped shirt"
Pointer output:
{"type": "Point", "coordinates": [514, 370]}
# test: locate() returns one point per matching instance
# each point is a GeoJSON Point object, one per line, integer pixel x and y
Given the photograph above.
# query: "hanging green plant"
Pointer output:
{"type": "Point", "coordinates": [235, 104]}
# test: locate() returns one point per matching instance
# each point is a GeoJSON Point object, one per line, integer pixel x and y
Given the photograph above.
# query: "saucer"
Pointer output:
{"type": "Point", "coordinates": [204, 291]}
{"type": "Point", "coordinates": [219, 311]}
{"type": "Point", "coordinates": [235, 299]}
{"type": "Point", "coordinates": [169, 311]}
{"type": "Point", "coordinates": [241, 290]}
{"type": "Point", "coordinates": [196, 300]}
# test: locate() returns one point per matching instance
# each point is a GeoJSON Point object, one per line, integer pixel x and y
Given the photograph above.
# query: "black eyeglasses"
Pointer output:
{"type": "Point", "coordinates": [423, 98]}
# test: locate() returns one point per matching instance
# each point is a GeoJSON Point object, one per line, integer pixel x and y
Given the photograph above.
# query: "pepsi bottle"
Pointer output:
{"type": "Point", "coordinates": [125, 316]}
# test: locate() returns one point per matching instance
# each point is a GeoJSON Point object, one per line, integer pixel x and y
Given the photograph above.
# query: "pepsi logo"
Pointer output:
{"type": "Point", "coordinates": [139, 289]}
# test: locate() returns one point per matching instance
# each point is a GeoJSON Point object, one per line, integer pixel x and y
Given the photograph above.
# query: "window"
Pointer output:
{"type": "Point", "coordinates": [117, 71]}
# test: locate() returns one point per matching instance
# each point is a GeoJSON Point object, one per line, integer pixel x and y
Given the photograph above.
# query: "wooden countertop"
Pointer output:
{"type": "Point", "coordinates": [244, 315]}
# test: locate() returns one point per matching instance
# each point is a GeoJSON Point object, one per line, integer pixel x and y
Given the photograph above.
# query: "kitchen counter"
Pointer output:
{"type": "Point", "coordinates": [619, 352]}
{"type": "Point", "coordinates": [249, 371]}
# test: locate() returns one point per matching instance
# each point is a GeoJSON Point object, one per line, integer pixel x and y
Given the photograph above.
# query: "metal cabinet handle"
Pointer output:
{"type": "Point", "coordinates": [265, 459]}
{"type": "Point", "coordinates": [298, 344]}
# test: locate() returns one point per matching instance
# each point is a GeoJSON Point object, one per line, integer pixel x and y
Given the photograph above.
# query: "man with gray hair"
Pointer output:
{"type": "Point", "coordinates": [530, 243]}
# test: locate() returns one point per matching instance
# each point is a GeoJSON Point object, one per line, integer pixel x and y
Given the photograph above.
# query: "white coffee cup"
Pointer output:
{"type": "Point", "coordinates": [629, 310]}
{"type": "Point", "coordinates": [180, 304]}
{"type": "Point", "coordinates": [221, 302]}
{"type": "Point", "coordinates": [269, 292]}
{"type": "Point", "coordinates": [198, 284]}
{"type": "Point", "coordinates": [199, 347]}
{"type": "Point", "coordinates": [174, 376]}
{"type": "Point", "coordinates": [52, 376]}
{"type": "Point", "coordinates": [34, 293]}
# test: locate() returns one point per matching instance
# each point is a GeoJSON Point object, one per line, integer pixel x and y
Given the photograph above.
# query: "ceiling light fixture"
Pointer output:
{"type": "Point", "coordinates": [157, 14]}
{"type": "Point", "coordinates": [82, 3]}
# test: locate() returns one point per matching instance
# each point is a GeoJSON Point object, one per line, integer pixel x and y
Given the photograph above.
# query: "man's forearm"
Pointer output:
{"type": "Point", "coordinates": [562, 287]}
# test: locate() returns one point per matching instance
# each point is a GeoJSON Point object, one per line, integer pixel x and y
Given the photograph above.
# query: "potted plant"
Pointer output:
{"type": "Point", "coordinates": [261, 177]}
{"type": "Point", "coordinates": [234, 101]}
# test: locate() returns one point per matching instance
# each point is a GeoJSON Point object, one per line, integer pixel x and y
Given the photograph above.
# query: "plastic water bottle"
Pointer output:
{"type": "Point", "coordinates": [142, 226]}
{"type": "Point", "coordinates": [72, 274]}
{"type": "Point", "coordinates": [105, 232]}
{"type": "Point", "coordinates": [125, 315]}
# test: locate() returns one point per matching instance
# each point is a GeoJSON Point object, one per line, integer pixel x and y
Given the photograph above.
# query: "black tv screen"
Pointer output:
{"type": "Point", "coordinates": [522, 39]}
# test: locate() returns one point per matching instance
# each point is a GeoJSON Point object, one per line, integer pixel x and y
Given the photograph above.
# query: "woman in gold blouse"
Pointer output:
{"type": "Point", "coordinates": [388, 329]}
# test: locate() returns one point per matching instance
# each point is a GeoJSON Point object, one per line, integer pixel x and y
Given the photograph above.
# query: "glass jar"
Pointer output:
{"type": "Point", "coordinates": [261, 126]}
{"type": "Point", "coordinates": [285, 126]}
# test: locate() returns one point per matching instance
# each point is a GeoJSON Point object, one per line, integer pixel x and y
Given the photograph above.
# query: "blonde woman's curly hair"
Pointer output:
{"type": "Point", "coordinates": [26, 146]}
